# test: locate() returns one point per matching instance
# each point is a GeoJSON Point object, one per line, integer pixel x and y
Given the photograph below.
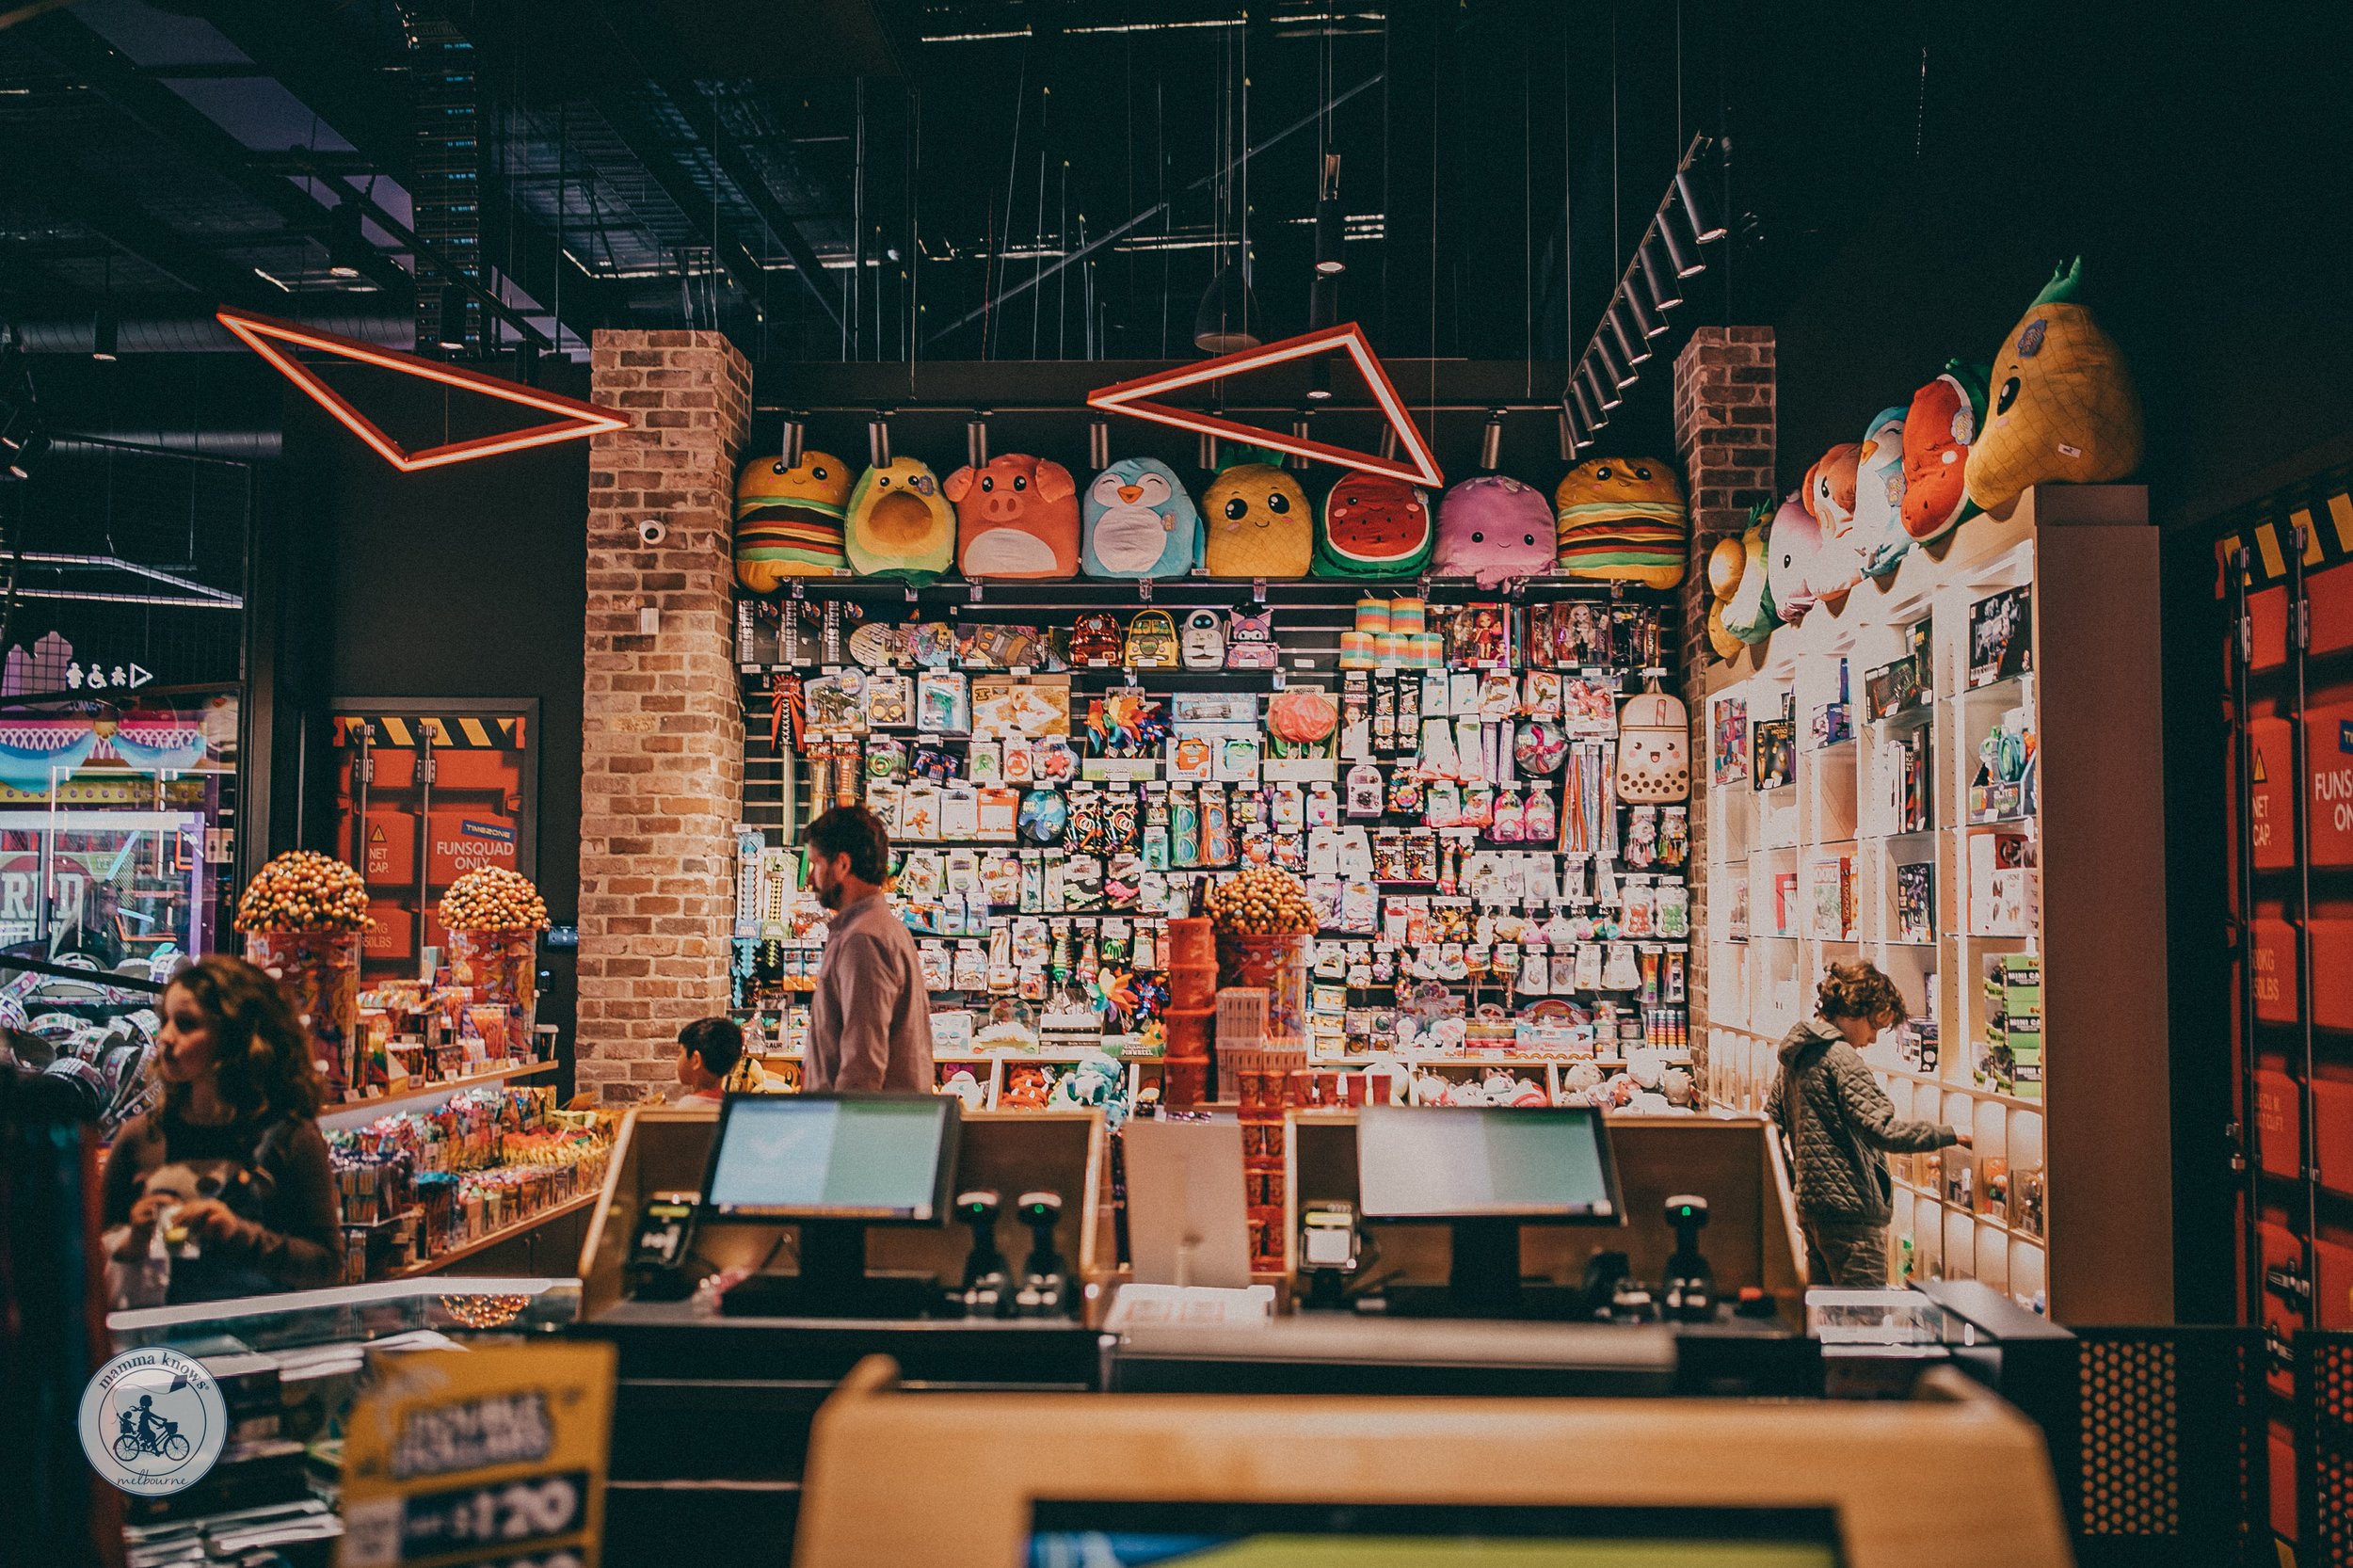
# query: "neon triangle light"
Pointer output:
{"type": "Point", "coordinates": [266, 335]}
{"type": "Point", "coordinates": [1132, 398]}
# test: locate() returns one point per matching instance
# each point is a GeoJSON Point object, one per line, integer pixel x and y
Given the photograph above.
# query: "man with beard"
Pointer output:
{"type": "Point", "coordinates": [870, 1022]}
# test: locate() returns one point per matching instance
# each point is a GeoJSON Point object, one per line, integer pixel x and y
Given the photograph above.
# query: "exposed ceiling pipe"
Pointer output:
{"type": "Point", "coordinates": [203, 334]}
{"type": "Point", "coordinates": [226, 446]}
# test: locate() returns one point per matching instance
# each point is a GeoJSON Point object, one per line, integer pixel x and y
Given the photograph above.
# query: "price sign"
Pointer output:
{"type": "Point", "coordinates": [493, 1458]}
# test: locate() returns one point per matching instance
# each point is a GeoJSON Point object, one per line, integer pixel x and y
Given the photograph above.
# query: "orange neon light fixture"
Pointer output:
{"type": "Point", "coordinates": [1132, 398]}
{"type": "Point", "coordinates": [273, 339]}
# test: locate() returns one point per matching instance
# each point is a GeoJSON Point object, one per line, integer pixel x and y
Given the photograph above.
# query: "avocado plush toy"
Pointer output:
{"type": "Point", "coordinates": [1258, 522]}
{"type": "Point", "coordinates": [1879, 491]}
{"type": "Point", "coordinates": [1139, 522]}
{"type": "Point", "coordinates": [899, 525]}
{"type": "Point", "coordinates": [2064, 408]}
{"type": "Point", "coordinates": [1621, 519]}
{"type": "Point", "coordinates": [1494, 527]}
{"type": "Point", "coordinates": [1374, 526]}
{"type": "Point", "coordinates": [787, 520]}
{"type": "Point", "coordinates": [1943, 421]}
{"type": "Point", "coordinates": [1016, 516]}
{"type": "Point", "coordinates": [1749, 612]}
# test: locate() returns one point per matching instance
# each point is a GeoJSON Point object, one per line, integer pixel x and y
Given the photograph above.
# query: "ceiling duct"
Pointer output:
{"type": "Point", "coordinates": [201, 334]}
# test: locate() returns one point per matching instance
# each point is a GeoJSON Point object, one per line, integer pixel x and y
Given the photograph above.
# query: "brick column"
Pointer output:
{"type": "Point", "coordinates": [1724, 437]}
{"type": "Point", "coordinates": [662, 742]}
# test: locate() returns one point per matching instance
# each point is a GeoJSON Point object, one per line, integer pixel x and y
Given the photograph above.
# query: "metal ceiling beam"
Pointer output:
{"type": "Point", "coordinates": [93, 200]}
{"type": "Point", "coordinates": [737, 164]}
{"type": "Point", "coordinates": [109, 73]}
{"type": "Point", "coordinates": [651, 149]}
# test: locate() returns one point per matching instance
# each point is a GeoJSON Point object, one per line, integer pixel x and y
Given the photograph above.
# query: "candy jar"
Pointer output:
{"type": "Point", "coordinates": [303, 916]}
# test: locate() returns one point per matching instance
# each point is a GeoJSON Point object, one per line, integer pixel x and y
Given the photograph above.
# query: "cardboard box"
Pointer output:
{"type": "Point", "coordinates": [465, 839]}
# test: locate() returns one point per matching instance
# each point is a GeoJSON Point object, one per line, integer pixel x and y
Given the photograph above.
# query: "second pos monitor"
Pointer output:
{"type": "Point", "coordinates": [1485, 1172]}
{"type": "Point", "coordinates": [833, 1165]}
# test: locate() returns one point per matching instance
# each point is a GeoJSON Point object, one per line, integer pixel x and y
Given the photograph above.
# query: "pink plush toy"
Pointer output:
{"type": "Point", "coordinates": [1494, 527]}
{"type": "Point", "coordinates": [1796, 538]}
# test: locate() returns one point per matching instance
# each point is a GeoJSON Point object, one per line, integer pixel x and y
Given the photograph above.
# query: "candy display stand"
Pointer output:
{"type": "Point", "coordinates": [320, 972]}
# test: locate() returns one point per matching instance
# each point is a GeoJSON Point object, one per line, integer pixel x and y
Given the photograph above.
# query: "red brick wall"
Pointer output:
{"type": "Point", "coordinates": [1724, 435]}
{"type": "Point", "coordinates": [662, 748]}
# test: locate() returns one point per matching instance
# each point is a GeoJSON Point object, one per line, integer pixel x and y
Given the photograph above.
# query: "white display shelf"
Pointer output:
{"type": "Point", "coordinates": [2095, 912]}
{"type": "Point", "coordinates": [359, 1112]}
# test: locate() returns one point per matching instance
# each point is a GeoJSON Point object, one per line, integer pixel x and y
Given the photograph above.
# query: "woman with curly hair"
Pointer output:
{"type": "Point", "coordinates": [1839, 1123]}
{"type": "Point", "coordinates": [230, 1166]}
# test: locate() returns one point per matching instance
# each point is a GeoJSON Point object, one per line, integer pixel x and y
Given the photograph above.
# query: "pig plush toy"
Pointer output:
{"type": "Point", "coordinates": [1015, 517]}
{"type": "Point", "coordinates": [1494, 527]}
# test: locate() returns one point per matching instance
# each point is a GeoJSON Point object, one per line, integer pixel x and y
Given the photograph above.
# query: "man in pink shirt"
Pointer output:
{"type": "Point", "coordinates": [871, 1020]}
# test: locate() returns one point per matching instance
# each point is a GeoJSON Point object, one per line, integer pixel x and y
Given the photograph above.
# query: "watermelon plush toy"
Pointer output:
{"type": "Point", "coordinates": [1942, 421]}
{"type": "Point", "coordinates": [1621, 519]}
{"type": "Point", "coordinates": [787, 520]}
{"type": "Point", "coordinates": [1374, 526]}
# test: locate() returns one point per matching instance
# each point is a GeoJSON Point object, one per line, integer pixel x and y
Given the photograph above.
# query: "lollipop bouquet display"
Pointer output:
{"type": "Point", "coordinates": [494, 916]}
{"type": "Point", "coordinates": [1265, 926]}
{"type": "Point", "coordinates": [303, 916]}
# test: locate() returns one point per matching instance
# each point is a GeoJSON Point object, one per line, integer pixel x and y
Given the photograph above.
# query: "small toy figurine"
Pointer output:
{"type": "Point", "coordinates": [1204, 641]}
{"type": "Point", "coordinates": [1250, 639]}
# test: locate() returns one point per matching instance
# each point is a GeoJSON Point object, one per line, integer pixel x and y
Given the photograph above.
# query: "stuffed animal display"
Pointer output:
{"type": "Point", "coordinates": [1139, 522]}
{"type": "Point", "coordinates": [787, 520]}
{"type": "Point", "coordinates": [1015, 517]}
{"type": "Point", "coordinates": [1878, 507]}
{"type": "Point", "coordinates": [898, 524]}
{"type": "Point", "coordinates": [1494, 527]}
{"type": "Point", "coordinates": [2064, 408]}
{"type": "Point", "coordinates": [1749, 612]}
{"type": "Point", "coordinates": [1829, 497]}
{"type": "Point", "coordinates": [1621, 519]}
{"type": "Point", "coordinates": [1258, 523]}
{"type": "Point", "coordinates": [1795, 539]}
{"type": "Point", "coordinates": [1374, 526]}
{"type": "Point", "coordinates": [1726, 563]}
{"type": "Point", "coordinates": [1938, 430]}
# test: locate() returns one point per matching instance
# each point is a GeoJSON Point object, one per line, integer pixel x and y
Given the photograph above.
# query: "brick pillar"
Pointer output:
{"type": "Point", "coordinates": [662, 742]}
{"type": "Point", "coordinates": [1724, 437]}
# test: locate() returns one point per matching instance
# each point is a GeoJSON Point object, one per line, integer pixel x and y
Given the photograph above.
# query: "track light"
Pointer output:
{"type": "Point", "coordinates": [1587, 409]}
{"type": "Point", "coordinates": [1098, 444]}
{"type": "Point", "coordinates": [1665, 293]}
{"type": "Point", "coordinates": [1615, 373]}
{"type": "Point", "coordinates": [1645, 322]}
{"type": "Point", "coordinates": [878, 442]}
{"type": "Point", "coordinates": [29, 447]}
{"type": "Point", "coordinates": [1632, 346]}
{"type": "Point", "coordinates": [1680, 260]}
{"type": "Point", "coordinates": [789, 445]}
{"type": "Point", "coordinates": [1388, 443]}
{"type": "Point", "coordinates": [452, 334]}
{"type": "Point", "coordinates": [976, 442]}
{"type": "Point", "coordinates": [1331, 225]}
{"type": "Point", "coordinates": [345, 244]}
{"type": "Point", "coordinates": [1208, 451]}
{"type": "Point", "coordinates": [1704, 229]}
{"type": "Point", "coordinates": [1491, 441]}
{"type": "Point", "coordinates": [1603, 381]}
{"type": "Point", "coordinates": [102, 336]}
{"type": "Point", "coordinates": [1319, 380]}
{"type": "Point", "coordinates": [1298, 461]}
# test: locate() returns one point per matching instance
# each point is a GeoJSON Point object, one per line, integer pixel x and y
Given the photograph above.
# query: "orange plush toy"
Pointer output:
{"type": "Point", "coordinates": [1015, 517]}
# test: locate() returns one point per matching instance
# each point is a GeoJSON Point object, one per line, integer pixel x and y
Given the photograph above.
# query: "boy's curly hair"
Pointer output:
{"type": "Point", "coordinates": [1858, 990]}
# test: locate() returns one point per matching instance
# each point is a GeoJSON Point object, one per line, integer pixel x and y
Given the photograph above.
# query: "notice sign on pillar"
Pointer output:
{"type": "Point", "coordinates": [495, 1455]}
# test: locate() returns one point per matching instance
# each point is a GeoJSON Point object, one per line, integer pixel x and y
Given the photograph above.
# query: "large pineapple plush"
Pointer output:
{"type": "Point", "coordinates": [2063, 408]}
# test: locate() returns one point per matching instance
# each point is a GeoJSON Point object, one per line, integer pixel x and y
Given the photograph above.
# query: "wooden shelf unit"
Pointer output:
{"type": "Point", "coordinates": [2101, 1127]}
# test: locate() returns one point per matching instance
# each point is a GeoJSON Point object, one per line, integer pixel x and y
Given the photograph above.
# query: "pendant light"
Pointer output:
{"type": "Point", "coordinates": [976, 440]}
{"type": "Point", "coordinates": [1704, 229]}
{"type": "Point", "coordinates": [1491, 441]}
{"type": "Point", "coordinates": [1632, 346]}
{"type": "Point", "coordinates": [1098, 444]}
{"type": "Point", "coordinates": [1665, 293]}
{"type": "Point", "coordinates": [1227, 320]}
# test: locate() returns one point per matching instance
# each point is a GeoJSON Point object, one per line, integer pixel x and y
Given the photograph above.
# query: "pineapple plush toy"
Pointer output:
{"type": "Point", "coordinates": [1258, 523]}
{"type": "Point", "coordinates": [2063, 409]}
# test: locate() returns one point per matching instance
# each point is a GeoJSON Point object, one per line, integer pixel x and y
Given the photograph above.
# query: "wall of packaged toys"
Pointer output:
{"type": "Point", "coordinates": [1461, 730]}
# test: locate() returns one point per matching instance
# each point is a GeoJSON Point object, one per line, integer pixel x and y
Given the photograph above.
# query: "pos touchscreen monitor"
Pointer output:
{"type": "Point", "coordinates": [874, 1158]}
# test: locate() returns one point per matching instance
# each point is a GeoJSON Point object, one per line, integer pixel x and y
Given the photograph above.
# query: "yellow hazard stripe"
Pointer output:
{"type": "Point", "coordinates": [2341, 516]}
{"type": "Point", "coordinates": [396, 730]}
{"type": "Point", "coordinates": [475, 733]}
{"type": "Point", "coordinates": [2268, 546]}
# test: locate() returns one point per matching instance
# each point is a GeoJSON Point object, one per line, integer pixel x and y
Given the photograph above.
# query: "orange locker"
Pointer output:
{"type": "Point", "coordinates": [394, 936]}
{"type": "Point", "coordinates": [2269, 613]}
{"type": "Point", "coordinates": [2329, 794]}
{"type": "Point", "coordinates": [2332, 1117]}
{"type": "Point", "coordinates": [2275, 808]}
{"type": "Point", "coordinates": [2279, 1111]}
{"type": "Point", "coordinates": [2274, 966]}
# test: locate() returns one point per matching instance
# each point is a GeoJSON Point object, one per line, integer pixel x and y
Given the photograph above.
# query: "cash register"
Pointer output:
{"type": "Point", "coordinates": [833, 1165]}
{"type": "Point", "coordinates": [1485, 1172]}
